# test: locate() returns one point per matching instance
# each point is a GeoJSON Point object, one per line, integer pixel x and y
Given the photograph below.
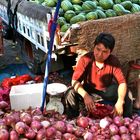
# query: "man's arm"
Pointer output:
{"type": "Point", "coordinates": [88, 100]}
{"type": "Point", "coordinates": [122, 89]}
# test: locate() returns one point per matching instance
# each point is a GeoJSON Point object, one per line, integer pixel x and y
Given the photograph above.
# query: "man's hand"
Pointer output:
{"type": "Point", "coordinates": [118, 108]}
{"type": "Point", "coordinates": [89, 103]}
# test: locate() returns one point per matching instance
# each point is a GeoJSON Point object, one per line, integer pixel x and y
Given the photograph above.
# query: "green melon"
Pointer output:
{"type": "Point", "coordinates": [66, 5]}
{"type": "Point", "coordinates": [106, 4]}
{"type": "Point", "coordinates": [77, 18]}
{"type": "Point", "coordinates": [135, 8]}
{"type": "Point", "coordinates": [77, 8]}
{"type": "Point", "coordinates": [69, 14]}
{"type": "Point", "coordinates": [127, 5]}
{"type": "Point", "coordinates": [110, 13]}
{"type": "Point", "coordinates": [89, 5]}
{"type": "Point", "coordinates": [65, 27]}
{"type": "Point", "coordinates": [61, 21]}
{"type": "Point", "coordinates": [100, 14]}
{"type": "Point", "coordinates": [49, 3]}
{"type": "Point", "coordinates": [119, 9]}
{"type": "Point", "coordinates": [76, 1]}
{"type": "Point", "coordinates": [91, 16]}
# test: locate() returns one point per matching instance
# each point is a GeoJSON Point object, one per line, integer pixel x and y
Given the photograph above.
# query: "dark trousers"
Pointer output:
{"type": "Point", "coordinates": [73, 102]}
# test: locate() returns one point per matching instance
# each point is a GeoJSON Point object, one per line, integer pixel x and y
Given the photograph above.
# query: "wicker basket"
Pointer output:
{"type": "Point", "coordinates": [125, 29]}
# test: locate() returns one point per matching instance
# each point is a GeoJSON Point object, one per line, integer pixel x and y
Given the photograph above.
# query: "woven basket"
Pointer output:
{"type": "Point", "coordinates": [125, 29]}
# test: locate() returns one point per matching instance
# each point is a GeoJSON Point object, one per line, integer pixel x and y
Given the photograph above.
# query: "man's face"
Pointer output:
{"type": "Point", "coordinates": [101, 53]}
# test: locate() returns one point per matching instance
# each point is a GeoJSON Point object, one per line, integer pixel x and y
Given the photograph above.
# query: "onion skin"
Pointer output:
{"type": "Point", "coordinates": [3, 104]}
{"type": "Point", "coordinates": [132, 127]}
{"type": "Point", "coordinates": [113, 129]}
{"type": "Point", "coordinates": [82, 121]}
{"type": "Point", "coordinates": [123, 130]}
{"type": "Point", "coordinates": [138, 134]}
{"type": "Point", "coordinates": [69, 128]}
{"type": "Point", "coordinates": [69, 136]}
{"type": "Point", "coordinates": [30, 134]}
{"type": "Point", "coordinates": [118, 120]}
{"type": "Point", "coordinates": [36, 125]}
{"type": "Point", "coordinates": [26, 118]}
{"type": "Point", "coordinates": [50, 132]}
{"type": "Point", "coordinates": [41, 134]}
{"type": "Point", "coordinates": [116, 137]}
{"type": "Point", "coordinates": [13, 135]}
{"type": "Point", "coordinates": [88, 136]}
{"type": "Point", "coordinates": [21, 127]}
{"type": "Point", "coordinates": [4, 134]}
{"type": "Point", "coordinates": [125, 137]}
{"type": "Point", "coordinates": [60, 126]}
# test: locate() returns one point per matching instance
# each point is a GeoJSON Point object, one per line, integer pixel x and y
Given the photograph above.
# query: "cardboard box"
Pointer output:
{"type": "Point", "coordinates": [25, 96]}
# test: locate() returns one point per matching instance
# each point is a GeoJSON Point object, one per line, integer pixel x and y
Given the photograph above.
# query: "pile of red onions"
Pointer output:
{"type": "Point", "coordinates": [33, 124]}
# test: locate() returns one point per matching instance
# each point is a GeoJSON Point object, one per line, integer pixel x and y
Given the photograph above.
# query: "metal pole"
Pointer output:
{"type": "Point", "coordinates": [48, 61]}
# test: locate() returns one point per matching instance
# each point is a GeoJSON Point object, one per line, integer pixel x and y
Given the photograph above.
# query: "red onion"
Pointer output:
{"type": "Point", "coordinates": [132, 127]}
{"type": "Point", "coordinates": [113, 129]}
{"type": "Point", "coordinates": [13, 135]}
{"type": "Point", "coordinates": [79, 131]}
{"type": "Point", "coordinates": [138, 134]}
{"type": "Point", "coordinates": [88, 136]}
{"type": "Point", "coordinates": [125, 137]}
{"type": "Point", "coordinates": [82, 121]}
{"type": "Point", "coordinates": [30, 134]}
{"type": "Point", "coordinates": [4, 134]}
{"type": "Point", "coordinates": [123, 130]}
{"type": "Point", "coordinates": [37, 118]}
{"type": "Point", "coordinates": [45, 123]}
{"type": "Point", "coordinates": [36, 125]}
{"type": "Point", "coordinates": [3, 125]}
{"type": "Point", "coordinates": [36, 111]}
{"type": "Point", "coordinates": [20, 127]}
{"type": "Point", "coordinates": [41, 134]}
{"type": "Point", "coordinates": [104, 123]}
{"type": "Point", "coordinates": [58, 135]}
{"type": "Point", "coordinates": [3, 104]}
{"type": "Point", "coordinates": [127, 121]}
{"type": "Point", "coordinates": [61, 126]}
{"type": "Point", "coordinates": [69, 128]}
{"type": "Point", "coordinates": [51, 132]}
{"type": "Point", "coordinates": [118, 120]}
{"type": "Point", "coordinates": [116, 137]}
{"type": "Point", "coordinates": [26, 118]}
{"type": "Point", "coordinates": [10, 120]}
{"type": "Point", "coordinates": [133, 137]}
{"type": "Point", "coordinates": [16, 115]}
{"type": "Point", "coordinates": [69, 136]}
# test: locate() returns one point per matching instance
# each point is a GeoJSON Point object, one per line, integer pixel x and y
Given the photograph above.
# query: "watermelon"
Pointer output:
{"type": "Point", "coordinates": [65, 27]}
{"type": "Point", "coordinates": [66, 5]}
{"type": "Point", "coordinates": [76, 1]}
{"type": "Point", "coordinates": [89, 5]}
{"type": "Point", "coordinates": [91, 16]}
{"type": "Point", "coordinates": [100, 14]}
{"type": "Point", "coordinates": [69, 14]}
{"type": "Point", "coordinates": [135, 8]}
{"type": "Point", "coordinates": [77, 18]}
{"type": "Point", "coordinates": [110, 13]}
{"type": "Point", "coordinates": [49, 3]}
{"type": "Point", "coordinates": [127, 5]}
{"type": "Point", "coordinates": [106, 4]}
{"type": "Point", "coordinates": [61, 21]}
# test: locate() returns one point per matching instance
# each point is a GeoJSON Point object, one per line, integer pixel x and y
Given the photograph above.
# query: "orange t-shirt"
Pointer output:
{"type": "Point", "coordinates": [97, 78]}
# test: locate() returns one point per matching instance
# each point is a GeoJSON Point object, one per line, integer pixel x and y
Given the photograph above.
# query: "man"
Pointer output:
{"type": "Point", "coordinates": [98, 72]}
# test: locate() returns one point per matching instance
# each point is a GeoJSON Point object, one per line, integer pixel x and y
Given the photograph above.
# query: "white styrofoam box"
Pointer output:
{"type": "Point", "coordinates": [25, 96]}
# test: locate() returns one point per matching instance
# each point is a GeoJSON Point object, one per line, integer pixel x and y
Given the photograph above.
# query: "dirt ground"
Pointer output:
{"type": "Point", "coordinates": [12, 54]}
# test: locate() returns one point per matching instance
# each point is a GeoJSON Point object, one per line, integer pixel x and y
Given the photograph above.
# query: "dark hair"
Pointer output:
{"type": "Point", "coordinates": [107, 39]}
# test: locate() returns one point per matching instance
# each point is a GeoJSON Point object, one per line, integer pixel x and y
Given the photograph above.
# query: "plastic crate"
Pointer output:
{"type": "Point", "coordinates": [25, 96]}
